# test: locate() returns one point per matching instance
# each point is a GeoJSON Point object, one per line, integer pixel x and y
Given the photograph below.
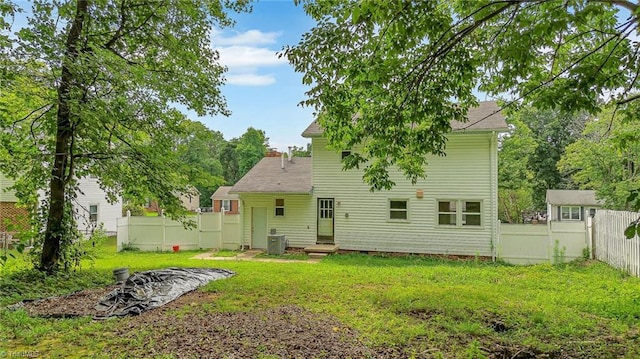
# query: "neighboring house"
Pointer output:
{"type": "Point", "coordinates": [571, 205]}
{"type": "Point", "coordinates": [312, 200]}
{"type": "Point", "coordinates": [12, 216]}
{"type": "Point", "coordinates": [92, 208]}
{"type": "Point", "coordinates": [191, 201]}
{"type": "Point", "coordinates": [222, 199]}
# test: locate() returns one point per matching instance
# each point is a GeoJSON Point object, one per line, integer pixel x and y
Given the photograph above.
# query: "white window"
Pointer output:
{"type": "Point", "coordinates": [398, 209]}
{"type": "Point", "coordinates": [447, 214]}
{"type": "Point", "coordinates": [570, 213]}
{"type": "Point", "coordinates": [93, 213]}
{"type": "Point", "coordinates": [460, 213]}
{"type": "Point", "coordinates": [226, 204]}
{"type": "Point", "coordinates": [471, 213]}
{"type": "Point", "coordinates": [279, 207]}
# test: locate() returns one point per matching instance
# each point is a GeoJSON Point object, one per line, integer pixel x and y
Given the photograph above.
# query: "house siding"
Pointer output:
{"type": "Point", "coordinates": [468, 172]}
{"type": "Point", "coordinates": [7, 195]}
{"type": "Point", "coordinates": [298, 223]}
{"type": "Point", "coordinates": [91, 194]}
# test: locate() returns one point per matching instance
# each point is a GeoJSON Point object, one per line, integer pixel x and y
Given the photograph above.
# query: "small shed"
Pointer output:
{"type": "Point", "coordinates": [571, 205]}
{"type": "Point", "coordinates": [221, 198]}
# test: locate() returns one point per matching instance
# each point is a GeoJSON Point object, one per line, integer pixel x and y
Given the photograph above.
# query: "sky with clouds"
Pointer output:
{"type": "Point", "coordinates": [262, 90]}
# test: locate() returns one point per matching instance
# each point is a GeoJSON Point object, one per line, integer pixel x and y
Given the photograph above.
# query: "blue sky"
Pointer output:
{"type": "Point", "coordinates": [263, 91]}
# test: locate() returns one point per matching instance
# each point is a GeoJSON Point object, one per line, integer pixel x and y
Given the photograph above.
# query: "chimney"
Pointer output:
{"type": "Point", "coordinates": [290, 154]}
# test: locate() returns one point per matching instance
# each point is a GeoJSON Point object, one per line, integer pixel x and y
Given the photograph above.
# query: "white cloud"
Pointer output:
{"type": "Point", "coordinates": [251, 37]}
{"type": "Point", "coordinates": [250, 79]}
{"type": "Point", "coordinates": [246, 56]}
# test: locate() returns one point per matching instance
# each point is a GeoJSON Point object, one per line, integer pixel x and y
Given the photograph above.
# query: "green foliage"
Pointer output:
{"type": "Point", "coordinates": [558, 253]}
{"type": "Point", "coordinates": [606, 159]}
{"type": "Point", "coordinates": [251, 148]}
{"type": "Point", "coordinates": [391, 76]}
{"type": "Point", "coordinates": [88, 89]}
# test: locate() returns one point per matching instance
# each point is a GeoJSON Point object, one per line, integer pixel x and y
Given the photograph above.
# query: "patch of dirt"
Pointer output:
{"type": "Point", "coordinates": [284, 332]}
{"type": "Point", "coordinates": [78, 304]}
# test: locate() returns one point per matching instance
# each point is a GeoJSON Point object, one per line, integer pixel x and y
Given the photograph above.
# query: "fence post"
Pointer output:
{"type": "Point", "coordinates": [199, 214]}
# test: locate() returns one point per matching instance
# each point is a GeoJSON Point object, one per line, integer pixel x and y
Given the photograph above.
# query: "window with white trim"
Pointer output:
{"type": "Point", "coordinates": [279, 209]}
{"type": "Point", "coordinates": [460, 213]}
{"type": "Point", "coordinates": [471, 213]}
{"type": "Point", "coordinates": [93, 213]}
{"type": "Point", "coordinates": [226, 204]}
{"type": "Point", "coordinates": [398, 209]}
{"type": "Point", "coordinates": [570, 213]}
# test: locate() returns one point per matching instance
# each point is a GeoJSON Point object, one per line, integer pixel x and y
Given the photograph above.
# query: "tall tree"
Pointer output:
{"type": "Point", "coordinates": [515, 178]}
{"type": "Point", "coordinates": [392, 75]}
{"type": "Point", "coordinates": [200, 151]}
{"type": "Point", "coordinates": [229, 160]}
{"type": "Point", "coordinates": [606, 159]}
{"type": "Point", "coordinates": [551, 130]}
{"type": "Point", "coordinates": [113, 68]}
{"type": "Point", "coordinates": [251, 148]}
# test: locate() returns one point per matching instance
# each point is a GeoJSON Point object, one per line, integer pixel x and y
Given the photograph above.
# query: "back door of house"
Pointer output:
{"type": "Point", "coordinates": [325, 221]}
{"type": "Point", "coordinates": [259, 227]}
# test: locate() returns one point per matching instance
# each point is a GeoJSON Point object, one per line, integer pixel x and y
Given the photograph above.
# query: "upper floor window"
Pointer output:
{"type": "Point", "coordinates": [93, 213]}
{"type": "Point", "coordinates": [345, 154]}
{"type": "Point", "coordinates": [279, 207]}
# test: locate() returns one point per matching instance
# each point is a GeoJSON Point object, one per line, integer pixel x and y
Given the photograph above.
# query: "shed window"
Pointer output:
{"type": "Point", "coordinates": [398, 209]}
{"type": "Point", "coordinates": [279, 207]}
{"type": "Point", "coordinates": [570, 213]}
{"type": "Point", "coordinates": [226, 204]}
{"type": "Point", "coordinates": [93, 213]}
{"type": "Point", "coordinates": [460, 213]}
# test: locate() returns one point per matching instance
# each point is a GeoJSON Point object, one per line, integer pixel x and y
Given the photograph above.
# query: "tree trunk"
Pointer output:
{"type": "Point", "coordinates": [62, 170]}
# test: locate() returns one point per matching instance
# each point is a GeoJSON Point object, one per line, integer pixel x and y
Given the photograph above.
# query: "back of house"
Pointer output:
{"type": "Point", "coordinates": [313, 200]}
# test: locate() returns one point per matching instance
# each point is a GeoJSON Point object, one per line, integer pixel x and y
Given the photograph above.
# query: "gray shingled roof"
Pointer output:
{"type": "Point", "coordinates": [572, 197]}
{"type": "Point", "coordinates": [485, 117]}
{"type": "Point", "coordinates": [223, 193]}
{"type": "Point", "coordinates": [267, 176]}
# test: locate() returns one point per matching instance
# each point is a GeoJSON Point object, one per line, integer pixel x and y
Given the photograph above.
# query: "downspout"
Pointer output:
{"type": "Point", "coordinates": [494, 195]}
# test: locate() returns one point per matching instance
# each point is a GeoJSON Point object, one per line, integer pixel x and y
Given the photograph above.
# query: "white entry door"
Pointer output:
{"type": "Point", "coordinates": [325, 220]}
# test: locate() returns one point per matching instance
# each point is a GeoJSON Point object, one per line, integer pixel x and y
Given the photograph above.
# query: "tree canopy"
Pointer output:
{"type": "Point", "coordinates": [107, 76]}
{"type": "Point", "coordinates": [606, 159]}
{"type": "Point", "coordinates": [392, 75]}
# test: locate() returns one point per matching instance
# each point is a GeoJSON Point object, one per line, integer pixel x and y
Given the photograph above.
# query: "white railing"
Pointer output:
{"type": "Point", "coordinates": [611, 246]}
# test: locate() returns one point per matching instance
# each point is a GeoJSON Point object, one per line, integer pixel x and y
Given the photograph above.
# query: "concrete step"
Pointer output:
{"type": "Point", "coordinates": [321, 248]}
{"type": "Point", "coordinates": [314, 255]}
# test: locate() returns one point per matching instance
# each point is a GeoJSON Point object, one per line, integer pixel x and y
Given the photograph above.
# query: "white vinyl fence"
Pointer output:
{"type": "Point", "coordinates": [542, 243]}
{"type": "Point", "coordinates": [610, 244]}
{"type": "Point", "coordinates": [213, 230]}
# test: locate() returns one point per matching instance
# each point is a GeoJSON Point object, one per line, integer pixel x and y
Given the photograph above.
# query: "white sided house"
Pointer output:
{"type": "Point", "coordinates": [92, 208]}
{"type": "Point", "coordinates": [313, 201]}
{"type": "Point", "coordinates": [571, 205]}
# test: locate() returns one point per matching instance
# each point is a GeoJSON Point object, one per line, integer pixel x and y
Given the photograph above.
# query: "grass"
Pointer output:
{"type": "Point", "coordinates": [423, 305]}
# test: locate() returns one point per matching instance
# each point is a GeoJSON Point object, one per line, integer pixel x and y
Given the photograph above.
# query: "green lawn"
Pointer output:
{"type": "Point", "coordinates": [441, 308]}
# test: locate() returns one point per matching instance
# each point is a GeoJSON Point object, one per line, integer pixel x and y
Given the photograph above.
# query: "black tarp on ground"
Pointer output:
{"type": "Point", "coordinates": [151, 289]}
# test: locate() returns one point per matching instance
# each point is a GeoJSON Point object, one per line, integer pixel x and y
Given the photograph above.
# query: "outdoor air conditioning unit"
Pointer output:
{"type": "Point", "coordinates": [276, 244]}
